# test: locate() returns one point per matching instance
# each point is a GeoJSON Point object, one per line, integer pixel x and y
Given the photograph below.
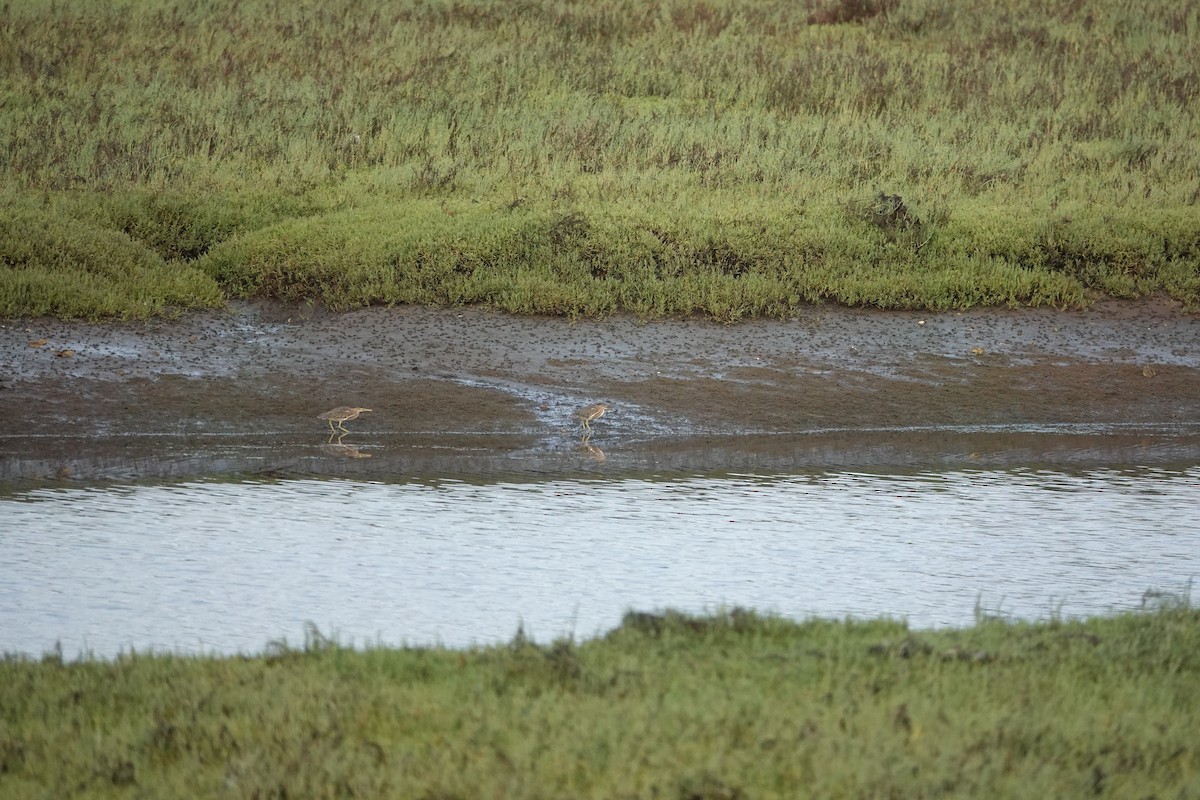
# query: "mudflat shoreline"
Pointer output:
{"type": "Point", "coordinates": [468, 389]}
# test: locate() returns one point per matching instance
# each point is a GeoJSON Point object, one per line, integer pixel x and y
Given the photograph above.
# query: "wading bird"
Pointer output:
{"type": "Point", "coordinates": [341, 414]}
{"type": "Point", "coordinates": [591, 414]}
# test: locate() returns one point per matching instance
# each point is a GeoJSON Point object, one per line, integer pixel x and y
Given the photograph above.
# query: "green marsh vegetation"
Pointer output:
{"type": "Point", "coordinates": [718, 157]}
{"type": "Point", "coordinates": [732, 705]}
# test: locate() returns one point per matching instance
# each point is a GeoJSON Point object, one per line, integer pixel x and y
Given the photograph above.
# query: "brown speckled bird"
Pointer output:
{"type": "Point", "coordinates": [341, 414]}
{"type": "Point", "coordinates": [591, 414]}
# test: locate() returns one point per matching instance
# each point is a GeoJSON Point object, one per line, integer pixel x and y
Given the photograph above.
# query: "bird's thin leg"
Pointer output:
{"type": "Point", "coordinates": [340, 426]}
{"type": "Point", "coordinates": [330, 426]}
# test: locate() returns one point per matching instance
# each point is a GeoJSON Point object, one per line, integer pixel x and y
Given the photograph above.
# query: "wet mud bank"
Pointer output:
{"type": "Point", "coordinates": [473, 392]}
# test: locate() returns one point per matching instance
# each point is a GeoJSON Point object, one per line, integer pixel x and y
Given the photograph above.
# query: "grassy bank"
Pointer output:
{"type": "Point", "coordinates": [721, 157]}
{"type": "Point", "coordinates": [729, 706]}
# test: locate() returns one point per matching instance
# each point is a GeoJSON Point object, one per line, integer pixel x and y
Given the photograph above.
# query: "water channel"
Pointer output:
{"type": "Point", "coordinates": [231, 561]}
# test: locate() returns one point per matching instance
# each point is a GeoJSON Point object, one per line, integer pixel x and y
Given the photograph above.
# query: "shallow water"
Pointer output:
{"type": "Point", "coordinates": [228, 566]}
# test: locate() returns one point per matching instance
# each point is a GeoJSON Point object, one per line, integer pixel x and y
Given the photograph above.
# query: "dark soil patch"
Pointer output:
{"type": "Point", "coordinates": [488, 382]}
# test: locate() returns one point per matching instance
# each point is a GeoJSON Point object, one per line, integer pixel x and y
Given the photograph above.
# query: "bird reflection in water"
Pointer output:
{"type": "Point", "coordinates": [591, 451]}
{"type": "Point", "coordinates": [342, 450]}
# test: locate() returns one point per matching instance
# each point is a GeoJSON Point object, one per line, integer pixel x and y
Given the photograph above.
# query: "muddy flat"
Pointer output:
{"type": "Point", "coordinates": [471, 391]}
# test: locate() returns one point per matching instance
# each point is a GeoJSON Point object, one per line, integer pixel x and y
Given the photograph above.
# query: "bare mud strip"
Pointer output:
{"type": "Point", "coordinates": [470, 393]}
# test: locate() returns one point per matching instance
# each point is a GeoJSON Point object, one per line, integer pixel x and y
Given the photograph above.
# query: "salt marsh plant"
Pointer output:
{"type": "Point", "coordinates": [667, 705]}
{"type": "Point", "coordinates": [712, 156]}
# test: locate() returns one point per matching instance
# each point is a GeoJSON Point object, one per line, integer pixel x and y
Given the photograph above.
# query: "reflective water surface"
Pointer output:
{"type": "Point", "coordinates": [228, 566]}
